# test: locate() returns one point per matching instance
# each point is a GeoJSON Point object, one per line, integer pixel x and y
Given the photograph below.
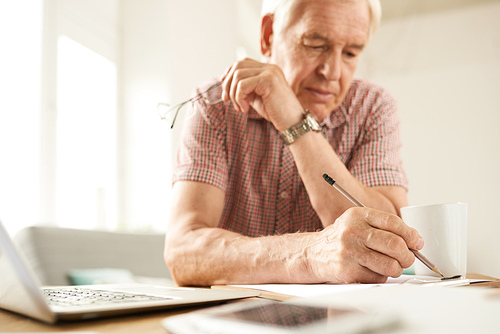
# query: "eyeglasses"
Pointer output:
{"type": "Point", "coordinates": [201, 96]}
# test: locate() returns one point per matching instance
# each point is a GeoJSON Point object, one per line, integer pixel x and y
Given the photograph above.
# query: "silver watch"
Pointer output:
{"type": "Point", "coordinates": [296, 131]}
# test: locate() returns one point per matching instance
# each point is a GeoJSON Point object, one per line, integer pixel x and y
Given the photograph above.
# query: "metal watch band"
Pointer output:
{"type": "Point", "coordinates": [296, 131]}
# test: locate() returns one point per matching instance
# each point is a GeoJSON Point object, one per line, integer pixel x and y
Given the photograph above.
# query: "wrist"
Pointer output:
{"type": "Point", "coordinates": [289, 120]}
{"type": "Point", "coordinates": [313, 260]}
{"type": "Point", "coordinates": [306, 124]}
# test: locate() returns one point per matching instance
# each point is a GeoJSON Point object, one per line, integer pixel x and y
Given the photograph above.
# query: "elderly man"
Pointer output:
{"type": "Point", "coordinates": [251, 205]}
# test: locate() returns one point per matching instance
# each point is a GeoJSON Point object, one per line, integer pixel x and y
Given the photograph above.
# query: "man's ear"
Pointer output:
{"type": "Point", "coordinates": [266, 35]}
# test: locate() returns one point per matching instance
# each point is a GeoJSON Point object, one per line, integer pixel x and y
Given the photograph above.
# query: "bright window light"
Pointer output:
{"type": "Point", "coordinates": [86, 137]}
{"type": "Point", "coordinates": [20, 78]}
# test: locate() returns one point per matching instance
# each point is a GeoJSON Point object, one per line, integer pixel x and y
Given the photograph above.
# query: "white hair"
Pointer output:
{"type": "Point", "coordinates": [281, 10]}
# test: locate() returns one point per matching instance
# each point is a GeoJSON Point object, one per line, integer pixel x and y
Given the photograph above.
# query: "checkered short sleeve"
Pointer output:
{"type": "Point", "coordinates": [375, 159]}
{"type": "Point", "coordinates": [201, 155]}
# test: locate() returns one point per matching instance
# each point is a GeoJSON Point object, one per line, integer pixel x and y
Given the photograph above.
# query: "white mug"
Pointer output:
{"type": "Point", "coordinates": [444, 229]}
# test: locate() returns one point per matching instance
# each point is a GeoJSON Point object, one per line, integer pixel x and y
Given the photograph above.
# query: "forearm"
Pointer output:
{"type": "Point", "coordinates": [209, 256]}
{"type": "Point", "coordinates": [314, 156]}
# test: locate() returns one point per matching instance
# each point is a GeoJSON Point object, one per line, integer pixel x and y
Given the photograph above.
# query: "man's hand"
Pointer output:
{"type": "Point", "coordinates": [249, 83]}
{"type": "Point", "coordinates": [363, 245]}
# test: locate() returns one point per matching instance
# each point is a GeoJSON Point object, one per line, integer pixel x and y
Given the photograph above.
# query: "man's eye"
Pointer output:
{"type": "Point", "coordinates": [317, 47]}
{"type": "Point", "coordinates": [350, 54]}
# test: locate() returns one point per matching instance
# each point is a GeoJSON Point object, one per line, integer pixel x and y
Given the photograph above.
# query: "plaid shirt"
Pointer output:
{"type": "Point", "coordinates": [243, 155]}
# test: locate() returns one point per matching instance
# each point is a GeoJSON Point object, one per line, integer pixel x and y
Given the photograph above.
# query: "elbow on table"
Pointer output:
{"type": "Point", "coordinates": [183, 270]}
{"type": "Point", "coordinates": [174, 260]}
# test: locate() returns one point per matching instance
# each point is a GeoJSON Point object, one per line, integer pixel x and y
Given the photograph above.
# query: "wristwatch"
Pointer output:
{"type": "Point", "coordinates": [296, 131]}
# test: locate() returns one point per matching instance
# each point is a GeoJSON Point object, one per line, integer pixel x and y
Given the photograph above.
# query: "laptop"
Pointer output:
{"type": "Point", "coordinates": [21, 292]}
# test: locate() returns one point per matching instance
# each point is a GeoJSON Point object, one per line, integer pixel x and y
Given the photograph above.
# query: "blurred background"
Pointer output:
{"type": "Point", "coordinates": [82, 143]}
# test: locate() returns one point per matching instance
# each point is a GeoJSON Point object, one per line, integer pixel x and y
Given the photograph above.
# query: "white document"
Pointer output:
{"type": "Point", "coordinates": [312, 290]}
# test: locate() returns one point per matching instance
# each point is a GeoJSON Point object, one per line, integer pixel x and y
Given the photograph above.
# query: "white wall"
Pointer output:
{"type": "Point", "coordinates": [169, 48]}
{"type": "Point", "coordinates": [143, 154]}
{"type": "Point", "coordinates": [444, 69]}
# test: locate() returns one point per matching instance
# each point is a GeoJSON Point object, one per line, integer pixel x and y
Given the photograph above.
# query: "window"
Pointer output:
{"type": "Point", "coordinates": [82, 184]}
{"type": "Point", "coordinates": [20, 68]}
{"type": "Point", "coordinates": [58, 113]}
{"type": "Point", "coordinates": [86, 136]}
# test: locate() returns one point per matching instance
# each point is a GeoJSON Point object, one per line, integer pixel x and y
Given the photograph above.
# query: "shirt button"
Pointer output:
{"type": "Point", "coordinates": [284, 195]}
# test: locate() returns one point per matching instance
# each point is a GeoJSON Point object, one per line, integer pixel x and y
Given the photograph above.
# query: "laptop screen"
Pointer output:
{"type": "Point", "coordinates": [19, 287]}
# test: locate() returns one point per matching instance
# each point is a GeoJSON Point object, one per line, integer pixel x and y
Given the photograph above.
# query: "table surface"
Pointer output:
{"type": "Point", "coordinates": [146, 323]}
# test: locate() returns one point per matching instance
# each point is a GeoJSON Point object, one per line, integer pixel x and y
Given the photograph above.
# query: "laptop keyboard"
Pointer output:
{"type": "Point", "coordinates": [75, 296]}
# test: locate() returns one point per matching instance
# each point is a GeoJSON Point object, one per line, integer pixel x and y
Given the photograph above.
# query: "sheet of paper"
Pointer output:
{"type": "Point", "coordinates": [431, 310]}
{"type": "Point", "coordinates": [312, 290]}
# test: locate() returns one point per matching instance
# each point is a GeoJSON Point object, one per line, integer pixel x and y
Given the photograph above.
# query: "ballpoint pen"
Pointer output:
{"type": "Point", "coordinates": [418, 255]}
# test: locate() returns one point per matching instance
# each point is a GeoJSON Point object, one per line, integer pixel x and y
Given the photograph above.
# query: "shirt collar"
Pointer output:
{"type": "Point", "coordinates": [336, 118]}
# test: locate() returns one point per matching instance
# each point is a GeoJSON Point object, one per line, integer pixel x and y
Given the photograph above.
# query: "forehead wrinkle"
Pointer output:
{"type": "Point", "coordinates": [320, 26]}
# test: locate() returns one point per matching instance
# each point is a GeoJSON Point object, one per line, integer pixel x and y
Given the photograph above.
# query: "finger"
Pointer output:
{"type": "Point", "coordinates": [365, 275]}
{"type": "Point", "coordinates": [244, 83]}
{"type": "Point", "coordinates": [390, 244]}
{"type": "Point", "coordinates": [353, 272]}
{"type": "Point", "coordinates": [226, 83]}
{"type": "Point", "coordinates": [392, 223]}
{"type": "Point", "coordinates": [227, 78]}
{"type": "Point", "coordinates": [379, 263]}
{"type": "Point", "coordinates": [243, 89]}
{"type": "Point", "coordinates": [237, 76]}
{"type": "Point", "coordinates": [248, 93]}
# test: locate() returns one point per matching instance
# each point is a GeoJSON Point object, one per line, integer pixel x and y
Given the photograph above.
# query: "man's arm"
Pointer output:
{"type": "Point", "coordinates": [264, 87]}
{"type": "Point", "coordinates": [364, 245]}
{"type": "Point", "coordinates": [314, 156]}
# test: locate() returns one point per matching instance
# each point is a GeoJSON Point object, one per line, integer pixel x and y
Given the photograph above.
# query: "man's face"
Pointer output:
{"type": "Point", "coordinates": [318, 51]}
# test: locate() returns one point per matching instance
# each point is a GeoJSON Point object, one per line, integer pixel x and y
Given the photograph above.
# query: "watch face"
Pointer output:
{"type": "Point", "coordinates": [298, 130]}
{"type": "Point", "coordinates": [313, 123]}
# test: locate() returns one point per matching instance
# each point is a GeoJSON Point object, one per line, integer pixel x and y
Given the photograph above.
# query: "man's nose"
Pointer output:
{"type": "Point", "coordinates": [330, 67]}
